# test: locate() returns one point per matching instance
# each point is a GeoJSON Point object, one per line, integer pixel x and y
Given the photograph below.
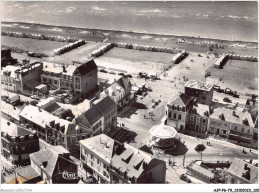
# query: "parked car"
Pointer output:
{"type": "Point", "coordinates": [121, 74]}
{"type": "Point", "coordinates": [128, 76]}
{"type": "Point", "coordinates": [227, 100]}
{"type": "Point", "coordinates": [185, 178]}
{"type": "Point", "coordinates": [102, 70]}
{"type": "Point", "coordinates": [142, 75]}
{"type": "Point", "coordinates": [112, 72]}
{"type": "Point", "coordinates": [35, 97]}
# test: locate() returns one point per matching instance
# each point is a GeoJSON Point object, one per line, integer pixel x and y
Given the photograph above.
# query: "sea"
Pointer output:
{"type": "Point", "coordinates": [218, 20]}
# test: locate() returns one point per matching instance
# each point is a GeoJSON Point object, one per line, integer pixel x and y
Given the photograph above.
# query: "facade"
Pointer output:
{"type": "Point", "coordinates": [27, 77]}
{"type": "Point", "coordinates": [53, 164]}
{"type": "Point", "coordinates": [110, 162]}
{"type": "Point", "coordinates": [119, 91]}
{"type": "Point", "coordinates": [101, 117]}
{"type": "Point", "coordinates": [17, 143]}
{"type": "Point", "coordinates": [199, 118]}
{"type": "Point", "coordinates": [177, 111]}
{"type": "Point", "coordinates": [52, 129]}
{"type": "Point", "coordinates": [8, 78]}
{"type": "Point", "coordinates": [80, 79]}
{"type": "Point", "coordinates": [234, 125]}
{"type": "Point", "coordinates": [241, 172]}
{"type": "Point", "coordinates": [202, 91]}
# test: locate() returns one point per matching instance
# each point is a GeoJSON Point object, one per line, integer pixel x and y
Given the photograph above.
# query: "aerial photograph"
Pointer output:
{"type": "Point", "coordinates": [129, 92]}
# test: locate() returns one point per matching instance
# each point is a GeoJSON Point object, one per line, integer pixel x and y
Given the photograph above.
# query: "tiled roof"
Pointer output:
{"type": "Point", "coordinates": [201, 170]}
{"type": "Point", "coordinates": [181, 100]}
{"type": "Point", "coordinates": [134, 161]}
{"type": "Point", "coordinates": [237, 118]}
{"type": "Point", "coordinates": [42, 118]}
{"type": "Point", "coordinates": [105, 105]}
{"type": "Point", "coordinates": [101, 145]}
{"type": "Point", "coordinates": [92, 115]}
{"type": "Point", "coordinates": [12, 129]}
{"type": "Point", "coordinates": [237, 168]}
{"type": "Point", "coordinates": [199, 85]}
{"type": "Point", "coordinates": [87, 67]}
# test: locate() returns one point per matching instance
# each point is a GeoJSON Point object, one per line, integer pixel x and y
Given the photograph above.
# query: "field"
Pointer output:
{"type": "Point", "coordinates": [38, 46]}
{"type": "Point", "coordinates": [134, 61]}
{"type": "Point", "coordinates": [238, 75]}
{"type": "Point", "coordinates": [82, 53]}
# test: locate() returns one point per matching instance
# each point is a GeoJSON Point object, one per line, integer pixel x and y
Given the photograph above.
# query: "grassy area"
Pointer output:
{"type": "Point", "coordinates": [137, 55]}
{"type": "Point", "coordinates": [32, 45]}
{"type": "Point", "coordinates": [80, 54]}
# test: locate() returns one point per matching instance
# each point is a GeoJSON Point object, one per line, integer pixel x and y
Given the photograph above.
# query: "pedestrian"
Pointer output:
{"type": "Point", "coordinates": [250, 150]}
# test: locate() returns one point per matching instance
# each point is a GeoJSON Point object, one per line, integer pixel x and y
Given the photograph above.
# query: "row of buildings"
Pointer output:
{"type": "Point", "coordinates": [192, 112]}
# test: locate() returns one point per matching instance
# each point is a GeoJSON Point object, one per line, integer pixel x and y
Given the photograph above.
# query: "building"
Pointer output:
{"type": "Point", "coordinates": [110, 162]}
{"type": "Point", "coordinates": [8, 78]}
{"type": "Point", "coordinates": [79, 79]}
{"type": "Point", "coordinates": [55, 166]}
{"type": "Point", "coordinates": [163, 137]}
{"type": "Point", "coordinates": [6, 58]}
{"type": "Point", "coordinates": [52, 129]}
{"type": "Point", "coordinates": [177, 111]}
{"type": "Point", "coordinates": [202, 91]}
{"type": "Point", "coordinates": [101, 117]}
{"type": "Point", "coordinates": [197, 171]}
{"type": "Point", "coordinates": [27, 77]}
{"type": "Point", "coordinates": [120, 92]}
{"type": "Point", "coordinates": [234, 125]}
{"type": "Point", "coordinates": [241, 172]}
{"type": "Point", "coordinates": [198, 119]}
{"type": "Point", "coordinates": [17, 143]}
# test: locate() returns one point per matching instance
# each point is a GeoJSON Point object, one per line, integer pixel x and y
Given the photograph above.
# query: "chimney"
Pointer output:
{"type": "Point", "coordinates": [8, 123]}
{"type": "Point", "coordinates": [234, 113]}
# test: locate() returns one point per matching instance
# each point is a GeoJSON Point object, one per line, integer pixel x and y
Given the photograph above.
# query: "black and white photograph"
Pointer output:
{"type": "Point", "coordinates": [163, 94]}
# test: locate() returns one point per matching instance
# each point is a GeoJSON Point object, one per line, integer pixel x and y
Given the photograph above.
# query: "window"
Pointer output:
{"type": "Point", "coordinates": [77, 79]}
{"type": "Point", "coordinates": [10, 84]}
{"type": "Point", "coordinates": [91, 155]}
{"type": "Point", "coordinates": [170, 114]}
{"type": "Point", "coordinates": [202, 128]}
{"type": "Point", "coordinates": [174, 116]}
{"type": "Point", "coordinates": [204, 121]}
{"type": "Point", "coordinates": [44, 79]}
{"type": "Point", "coordinates": [248, 131]}
{"type": "Point", "coordinates": [86, 153]}
{"type": "Point", "coordinates": [243, 129]}
{"type": "Point", "coordinates": [197, 120]}
{"type": "Point", "coordinates": [212, 129]}
{"type": "Point", "coordinates": [98, 161]}
{"type": "Point", "coordinates": [2, 82]}
{"type": "Point", "coordinates": [235, 128]}
{"type": "Point", "coordinates": [224, 132]}
{"type": "Point", "coordinates": [179, 117]}
{"type": "Point", "coordinates": [55, 82]}
{"type": "Point", "coordinates": [191, 118]}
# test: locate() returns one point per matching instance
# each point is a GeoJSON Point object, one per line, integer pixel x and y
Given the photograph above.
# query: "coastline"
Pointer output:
{"type": "Point", "coordinates": [131, 33]}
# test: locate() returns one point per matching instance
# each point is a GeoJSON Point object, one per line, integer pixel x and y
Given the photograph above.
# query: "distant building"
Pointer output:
{"type": "Point", "coordinates": [197, 171]}
{"type": "Point", "coordinates": [202, 91]}
{"type": "Point", "coordinates": [79, 79]}
{"type": "Point", "coordinates": [177, 111]}
{"type": "Point", "coordinates": [234, 125]}
{"type": "Point", "coordinates": [8, 78]}
{"type": "Point", "coordinates": [55, 166]}
{"type": "Point", "coordinates": [17, 143]}
{"type": "Point", "coordinates": [28, 76]}
{"type": "Point", "coordinates": [110, 162]}
{"type": "Point", "coordinates": [199, 118]}
{"type": "Point", "coordinates": [101, 117]}
{"type": "Point", "coordinates": [6, 58]}
{"type": "Point", "coordinates": [241, 172]}
{"type": "Point", "coordinates": [119, 91]}
{"type": "Point", "coordinates": [52, 129]}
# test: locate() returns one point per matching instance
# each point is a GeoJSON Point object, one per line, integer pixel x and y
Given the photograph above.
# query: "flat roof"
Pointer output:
{"type": "Point", "coordinates": [199, 85]}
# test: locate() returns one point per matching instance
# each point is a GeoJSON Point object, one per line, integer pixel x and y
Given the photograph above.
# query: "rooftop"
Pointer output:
{"type": "Point", "coordinates": [105, 105]}
{"type": "Point", "coordinates": [199, 85]}
{"type": "Point", "coordinates": [181, 100]}
{"type": "Point", "coordinates": [101, 144]}
{"type": "Point", "coordinates": [51, 67]}
{"type": "Point", "coordinates": [12, 129]}
{"type": "Point", "coordinates": [233, 116]}
{"type": "Point", "coordinates": [86, 67]}
{"type": "Point", "coordinates": [9, 71]}
{"type": "Point", "coordinates": [201, 170]}
{"type": "Point", "coordinates": [237, 168]}
{"type": "Point", "coordinates": [9, 110]}
{"type": "Point", "coordinates": [201, 109]}
{"type": "Point", "coordinates": [42, 118]}
{"type": "Point", "coordinates": [163, 131]}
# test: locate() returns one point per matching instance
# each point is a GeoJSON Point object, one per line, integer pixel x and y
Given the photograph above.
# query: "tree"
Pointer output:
{"type": "Point", "coordinates": [200, 148]}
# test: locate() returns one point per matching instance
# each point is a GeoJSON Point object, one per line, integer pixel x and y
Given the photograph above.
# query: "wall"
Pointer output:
{"type": "Point", "coordinates": [220, 125]}
{"type": "Point", "coordinates": [180, 122]}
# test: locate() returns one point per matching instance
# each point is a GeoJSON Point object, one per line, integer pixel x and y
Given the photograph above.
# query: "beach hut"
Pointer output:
{"type": "Point", "coordinates": [150, 48]}
{"type": "Point", "coordinates": [138, 47]}
{"type": "Point", "coordinates": [134, 46]}
{"type": "Point", "coordinates": [146, 48]}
